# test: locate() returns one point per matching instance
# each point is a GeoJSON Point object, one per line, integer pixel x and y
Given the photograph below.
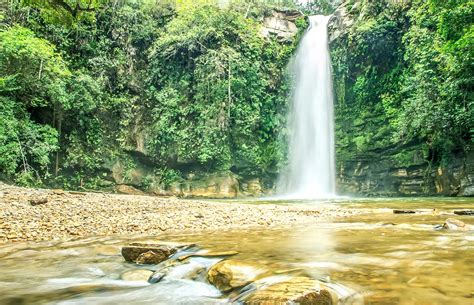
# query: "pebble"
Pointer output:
{"type": "Point", "coordinates": [74, 214]}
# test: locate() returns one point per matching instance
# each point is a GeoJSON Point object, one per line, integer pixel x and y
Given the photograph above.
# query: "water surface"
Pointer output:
{"type": "Point", "coordinates": [385, 258]}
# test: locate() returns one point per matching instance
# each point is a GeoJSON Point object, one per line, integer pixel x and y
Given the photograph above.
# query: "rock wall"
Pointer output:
{"type": "Point", "coordinates": [280, 24]}
{"type": "Point", "coordinates": [381, 170]}
{"type": "Point", "coordinates": [223, 185]}
{"type": "Point", "coordinates": [380, 176]}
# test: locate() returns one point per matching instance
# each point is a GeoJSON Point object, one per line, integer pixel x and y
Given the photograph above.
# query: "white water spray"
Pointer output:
{"type": "Point", "coordinates": [311, 171]}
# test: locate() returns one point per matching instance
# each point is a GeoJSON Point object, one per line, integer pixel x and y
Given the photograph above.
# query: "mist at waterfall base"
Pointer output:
{"type": "Point", "coordinates": [311, 164]}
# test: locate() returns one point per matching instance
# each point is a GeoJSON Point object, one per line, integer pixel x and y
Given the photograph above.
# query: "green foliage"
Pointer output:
{"type": "Point", "coordinates": [210, 88]}
{"type": "Point", "coordinates": [403, 77]}
{"type": "Point", "coordinates": [180, 86]}
{"type": "Point", "coordinates": [436, 93]}
{"type": "Point", "coordinates": [32, 77]}
{"type": "Point", "coordinates": [191, 86]}
{"type": "Point", "coordinates": [31, 70]}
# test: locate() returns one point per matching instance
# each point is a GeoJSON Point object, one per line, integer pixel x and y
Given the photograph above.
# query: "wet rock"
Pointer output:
{"type": "Point", "coordinates": [149, 253]}
{"type": "Point", "coordinates": [156, 277]}
{"type": "Point", "coordinates": [38, 200]}
{"type": "Point", "coordinates": [139, 275]}
{"type": "Point", "coordinates": [296, 290]}
{"type": "Point", "coordinates": [152, 257]}
{"type": "Point", "coordinates": [404, 211]}
{"type": "Point", "coordinates": [465, 212]}
{"type": "Point", "coordinates": [452, 224]}
{"type": "Point", "coordinates": [229, 274]}
{"type": "Point", "coordinates": [467, 183]}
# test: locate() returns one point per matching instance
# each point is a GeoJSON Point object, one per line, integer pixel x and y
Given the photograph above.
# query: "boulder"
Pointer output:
{"type": "Point", "coordinates": [280, 24]}
{"type": "Point", "coordinates": [467, 184]}
{"type": "Point", "coordinates": [465, 212]}
{"type": "Point", "coordinates": [139, 275]}
{"type": "Point", "coordinates": [153, 257]}
{"type": "Point", "coordinates": [230, 274]}
{"type": "Point", "coordinates": [156, 277]}
{"type": "Point", "coordinates": [404, 211]}
{"type": "Point", "coordinates": [340, 22]}
{"type": "Point", "coordinates": [452, 224]}
{"type": "Point", "coordinates": [150, 253]}
{"type": "Point", "coordinates": [38, 200]}
{"type": "Point", "coordinates": [296, 290]}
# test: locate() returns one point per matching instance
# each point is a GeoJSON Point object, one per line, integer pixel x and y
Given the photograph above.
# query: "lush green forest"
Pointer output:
{"type": "Point", "coordinates": [403, 73]}
{"type": "Point", "coordinates": [158, 92]}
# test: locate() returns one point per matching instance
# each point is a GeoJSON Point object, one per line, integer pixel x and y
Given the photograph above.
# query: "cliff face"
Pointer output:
{"type": "Point", "coordinates": [366, 42]}
{"type": "Point", "coordinates": [369, 59]}
{"type": "Point", "coordinates": [377, 174]}
{"type": "Point", "coordinates": [137, 171]}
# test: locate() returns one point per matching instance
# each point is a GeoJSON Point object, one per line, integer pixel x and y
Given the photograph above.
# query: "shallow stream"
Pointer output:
{"type": "Point", "coordinates": [384, 258]}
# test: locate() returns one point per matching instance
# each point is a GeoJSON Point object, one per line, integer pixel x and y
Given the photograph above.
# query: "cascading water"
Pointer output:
{"type": "Point", "coordinates": [311, 170]}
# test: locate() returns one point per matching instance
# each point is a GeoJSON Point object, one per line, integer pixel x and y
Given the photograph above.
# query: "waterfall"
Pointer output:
{"type": "Point", "coordinates": [311, 169]}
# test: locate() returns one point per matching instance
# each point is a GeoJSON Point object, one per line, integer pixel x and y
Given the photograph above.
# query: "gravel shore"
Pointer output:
{"type": "Point", "coordinates": [25, 216]}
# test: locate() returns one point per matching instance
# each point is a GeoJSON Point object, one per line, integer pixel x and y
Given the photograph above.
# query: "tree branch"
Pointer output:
{"type": "Point", "coordinates": [73, 11]}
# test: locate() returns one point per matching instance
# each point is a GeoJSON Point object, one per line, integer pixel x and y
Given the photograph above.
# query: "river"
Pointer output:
{"type": "Point", "coordinates": [378, 257]}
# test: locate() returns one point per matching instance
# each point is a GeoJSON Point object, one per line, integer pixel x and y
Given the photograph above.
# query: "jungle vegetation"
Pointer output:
{"type": "Point", "coordinates": [193, 85]}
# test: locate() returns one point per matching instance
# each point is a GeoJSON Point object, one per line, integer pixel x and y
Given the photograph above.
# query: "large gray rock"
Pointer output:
{"type": "Point", "coordinates": [280, 24]}
{"type": "Point", "coordinates": [341, 21]}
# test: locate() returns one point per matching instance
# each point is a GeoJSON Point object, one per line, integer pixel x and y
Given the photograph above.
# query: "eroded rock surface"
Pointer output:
{"type": "Point", "coordinates": [280, 24]}
{"type": "Point", "coordinates": [149, 253]}
{"type": "Point", "coordinates": [229, 274]}
{"type": "Point", "coordinates": [296, 290]}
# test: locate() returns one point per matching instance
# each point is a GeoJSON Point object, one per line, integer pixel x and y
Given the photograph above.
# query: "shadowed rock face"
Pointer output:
{"type": "Point", "coordinates": [378, 174]}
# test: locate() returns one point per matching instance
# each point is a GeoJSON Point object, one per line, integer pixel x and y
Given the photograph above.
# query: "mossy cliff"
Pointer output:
{"type": "Point", "coordinates": [191, 98]}
{"type": "Point", "coordinates": [403, 97]}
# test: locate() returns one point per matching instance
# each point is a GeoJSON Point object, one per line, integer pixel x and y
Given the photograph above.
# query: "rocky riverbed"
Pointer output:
{"type": "Point", "coordinates": [40, 214]}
